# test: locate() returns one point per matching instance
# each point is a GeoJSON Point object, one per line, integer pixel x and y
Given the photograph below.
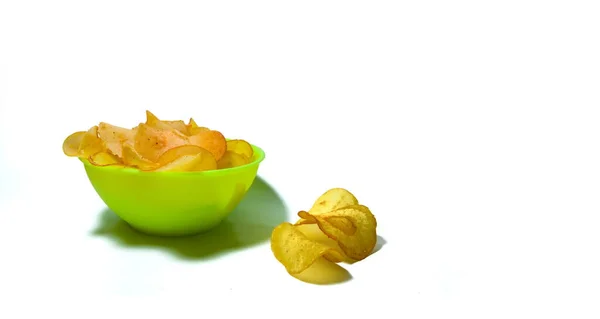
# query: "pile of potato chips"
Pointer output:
{"type": "Point", "coordinates": [346, 233]}
{"type": "Point", "coordinates": [158, 145]}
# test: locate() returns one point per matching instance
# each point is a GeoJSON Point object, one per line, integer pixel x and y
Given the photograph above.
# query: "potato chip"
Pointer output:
{"type": "Point", "coordinates": [176, 152]}
{"type": "Point", "coordinates": [240, 147]}
{"type": "Point", "coordinates": [104, 158]}
{"type": "Point", "coordinates": [190, 163]}
{"type": "Point", "coordinates": [353, 227]}
{"type": "Point", "coordinates": [72, 142]}
{"type": "Point", "coordinates": [179, 125]}
{"type": "Point", "coordinates": [313, 232]}
{"type": "Point", "coordinates": [156, 145]}
{"type": "Point", "coordinates": [194, 129]}
{"type": "Point", "coordinates": [231, 159]}
{"type": "Point", "coordinates": [133, 159]}
{"type": "Point", "coordinates": [294, 250]}
{"type": "Point", "coordinates": [151, 142]}
{"type": "Point", "coordinates": [91, 143]}
{"type": "Point", "coordinates": [114, 137]}
{"type": "Point", "coordinates": [330, 200]}
{"type": "Point", "coordinates": [210, 140]}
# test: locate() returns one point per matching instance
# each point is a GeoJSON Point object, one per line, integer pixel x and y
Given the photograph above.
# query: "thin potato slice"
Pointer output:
{"type": "Point", "coordinates": [231, 159]}
{"type": "Point", "coordinates": [313, 232]}
{"type": "Point", "coordinates": [356, 234]}
{"type": "Point", "coordinates": [213, 141]}
{"type": "Point", "coordinates": [332, 199]}
{"type": "Point", "coordinates": [72, 142]}
{"type": "Point", "coordinates": [104, 158]}
{"type": "Point", "coordinates": [132, 158]}
{"type": "Point", "coordinates": [151, 143]}
{"type": "Point", "coordinates": [114, 137]}
{"type": "Point", "coordinates": [194, 129]}
{"type": "Point", "coordinates": [240, 147]}
{"type": "Point", "coordinates": [179, 125]}
{"type": "Point", "coordinates": [91, 143]}
{"type": "Point", "coordinates": [294, 250]}
{"type": "Point", "coordinates": [192, 123]}
{"type": "Point", "coordinates": [190, 163]}
{"type": "Point", "coordinates": [176, 152]}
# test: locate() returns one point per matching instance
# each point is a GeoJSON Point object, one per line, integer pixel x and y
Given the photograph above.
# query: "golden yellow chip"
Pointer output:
{"type": "Point", "coordinates": [156, 145]}
{"type": "Point", "coordinates": [193, 128]}
{"type": "Point", "coordinates": [91, 143]}
{"type": "Point", "coordinates": [114, 137]}
{"type": "Point", "coordinates": [202, 161]}
{"type": "Point", "coordinates": [353, 227]}
{"type": "Point", "coordinates": [176, 152]}
{"type": "Point", "coordinates": [332, 199]}
{"type": "Point", "coordinates": [231, 159]}
{"type": "Point", "coordinates": [240, 147]}
{"type": "Point", "coordinates": [179, 125]}
{"type": "Point", "coordinates": [313, 232]}
{"type": "Point", "coordinates": [210, 140]}
{"type": "Point", "coordinates": [151, 142]}
{"type": "Point", "coordinates": [294, 250]}
{"type": "Point", "coordinates": [132, 158]}
{"type": "Point", "coordinates": [72, 142]}
{"type": "Point", "coordinates": [104, 158]}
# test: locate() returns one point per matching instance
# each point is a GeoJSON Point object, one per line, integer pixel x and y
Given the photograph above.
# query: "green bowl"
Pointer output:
{"type": "Point", "coordinates": [173, 203]}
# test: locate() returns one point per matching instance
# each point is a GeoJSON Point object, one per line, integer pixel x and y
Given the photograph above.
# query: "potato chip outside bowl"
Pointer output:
{"type": "Point", "coordinates": [173, 203]}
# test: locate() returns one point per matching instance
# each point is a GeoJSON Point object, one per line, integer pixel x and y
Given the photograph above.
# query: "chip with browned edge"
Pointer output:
{"type": "Point", "coordinates": [336, 229]}
{"type": "Point", "coordinates": [158, 145]}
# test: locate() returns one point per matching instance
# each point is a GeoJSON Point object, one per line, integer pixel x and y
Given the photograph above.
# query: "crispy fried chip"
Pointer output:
{"type": "Point", "coordinates": [72, 142]}
{"type": "Point", "coordinates": [151, 142]}
{"type": "Point", "coordinates": [194, 129]}
{"type": "Point", "coordinates": [104, 158]}
{"type": "Point", "coordinates": [231, 159]}
{"type": "Point", "coordinates": [240, 147]}
{"type": "Point", "coordinates": [157, 145]}
{"type": "Point", "coordinates": [353, 227]}
{"type": "Point", "coordinates": [91, 143]}
{"type": "Point", "coordinates": [313, 232]}
{"type": "Point", "coordinates": [179, 125]}
{"type": "Point", "coordinates": [176, 152]}
{"type": "Point", "coordinates": [332, 199]}
{"type": "Point", "coordinates": [132, 158]}
{"type": "Point", "coordinates": [114, 137]}
{"type": "Point", "coordinates": [294, 250]}
{"type": "Point", "coordinates": [202, 161]}
{"type": "Point", "coordinates": [210, 140]}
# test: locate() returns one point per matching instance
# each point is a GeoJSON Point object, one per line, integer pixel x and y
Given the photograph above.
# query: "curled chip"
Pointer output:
{"type": "Point", "coordinates": [132, 158]}
{"type": "Point", "coordinates": [72, 142]}
{"type": "Point", "coordinates": [157, 145]}
{"type": "Point", "coordinates": [213, 141]}
{"type": "Point", "coordinates": [336, 229]}
{"type": "Point", "coordinates": [104, 158]}
{"type": "Point", "coordinates": [353, 227]}
{"type": "Point", "coordinates": [240, 147]}
{"type": "Point", "coordinates": [294, 250]}
{"type": "Point", "coordinates": [179, 151]}
{"type": "Point", "coordinates": [331, 200]}
{"type": "Point", "coordinates": [151, 142]}
{"type": "Point", "coordinates": [114, 137]}
{"type": "Point", "coordinates": [231, 159]}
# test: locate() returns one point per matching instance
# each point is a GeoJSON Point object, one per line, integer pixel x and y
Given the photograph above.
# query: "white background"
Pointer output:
{"type": "Point", "coordinates": [470, 128]}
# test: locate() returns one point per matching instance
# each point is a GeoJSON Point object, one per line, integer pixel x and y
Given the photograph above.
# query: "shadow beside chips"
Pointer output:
{"type": "Point", "coordinates": [251, 223]}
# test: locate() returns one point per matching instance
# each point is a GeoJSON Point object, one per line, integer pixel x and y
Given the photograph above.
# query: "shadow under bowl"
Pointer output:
{"type": "Point", "coordinates": [173, 203]}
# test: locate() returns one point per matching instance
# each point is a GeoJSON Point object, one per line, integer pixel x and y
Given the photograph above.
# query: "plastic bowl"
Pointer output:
{"type": "Point", "coordinates": [173, 203]}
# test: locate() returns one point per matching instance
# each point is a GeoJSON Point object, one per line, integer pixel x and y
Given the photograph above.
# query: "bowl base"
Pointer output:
{"type": "Point", "coordinates": [174, 233]}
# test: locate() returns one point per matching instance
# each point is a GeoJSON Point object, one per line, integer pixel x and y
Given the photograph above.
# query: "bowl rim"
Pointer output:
{"type": "Point", "coordinates": [259, 156]}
